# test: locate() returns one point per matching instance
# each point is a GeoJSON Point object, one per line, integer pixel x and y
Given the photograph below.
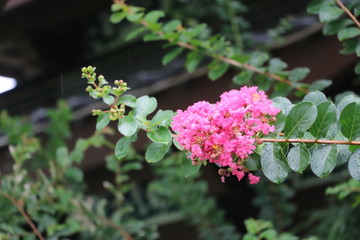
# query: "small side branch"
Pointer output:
{"type": "Point", "coordinates": [117, 228]}
{"type": "Point", "coordinates": [19, 205]}
{"type": "Point", "coordinates": [310, 141]}
{"type": "Point", "coordinates": [353, 18]}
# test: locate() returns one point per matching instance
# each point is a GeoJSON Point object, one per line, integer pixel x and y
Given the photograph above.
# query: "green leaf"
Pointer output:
{"type": "Point", "coordinates": [75, 174]}
{"type": "Point", "coordinates": [152, 37]}
{"type": "Point", "coordinates": [154, 16]}
{"type": "Point", "coordinates": [117, 17]}
{"type": "Point", "coordinates": [277, 65]}
{"type": "Point", "coordinates": [127, 126]}
{"type": "Point", "coordinates": [334, 27]}
{"type": "Point", "coordinates": [217, 69]}
{"type": "Point", "coordinates": [263, 82]}
{"type": "Point", "coordinates": [326, 117]}
{"type": "Point", "coordinates": [354, 165]}
{"type": "Point", "coordinates": [135, 17]}
{"type": "Point", "coordinates": [62, 156]}
{"type": "Point", "coordinates": [172, 55]}
{"type": "Point", "coordinates": [280, 122]}
{"type": "Point", "coordinates": [284, 104]}
{"type": "Point", "coordinates": [177, 144]}
{"type": "Point", "coordinates": [357, 68]}
{"type": "Point", "coordinates": [241, 58]}
{"type": "Point", "coordinates": [273, 163]}
{"type": "Point", "coordinates": [145, 105]}
{"type": "Point", "coordinates": [349, 98]}
{"type": "Point", "coordinates": [156, 151]}
{"type": "Point", "coordinates": [161, 135]}
{"type": "Point", "coordinates": [298, 158]}
{"type": "Point", "coordinates": [323, 160]}
{"type": "Point", "coordinates": [320, 85]}
{"type": "Point", "coordinates": [171, 26]}
{"type": "Point", "coordinates": [329, 13]}
{"type": "Point", "coordinates": [122, 147]}
{"type": "Point", "coordinates": [281, 89]}
{"type": "Point", "coordinates": [343, 154]}
{"type": "Point", "coordinates": [193, 59]}
{"type": "Point", "coordinates": [256, 226]}
{"type": "Point", "coordinates": [162, 118]}
{"type": "Point", "coordinates": [102, 121]}
{"type": "Point", "coordinates": [298, 74]}
{"type": "Point", "coordinates": [346, 33]}
{"type": "Point", "coordinates": [270, 234]}
{"type": "Point", "coordinates": [315, 5]}
{"type": "Point", "coordinates": [242, 77]}
{"type": "Point", "coordinates": [350, 121]}
{"type": "Point", "coordinates": [134, 33]}
{"type": "Point", "coordinates": [187, 167]}
{"type": "Point", "coordinates": [127, 100]}
{"type": "Point", "coordinates": [315, 97]}
{"type": "Point", "coordinates": [115, 7]}
{"type": "Point", "coordinates": [300, 119]}
{"type": "Point", "coordinates": [350, 46]}
{"type": "Point", "coordinates": [108, 99]}
{"type": "Point", "coordinates": [258, 59]}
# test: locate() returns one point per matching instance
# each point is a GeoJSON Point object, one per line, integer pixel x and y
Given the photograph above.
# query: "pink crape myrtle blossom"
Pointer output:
{"type": "Point", "coordinates": [225, 133]}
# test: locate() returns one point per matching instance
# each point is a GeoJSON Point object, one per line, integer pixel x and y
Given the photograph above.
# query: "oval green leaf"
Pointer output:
{"type": "Point", "coordinates": [323, 160]}
{"type": "Point", "coordinates": [298, 158]}
{"type": "Point", "coordinates": [102, 121]}
{"type": "Point", "coordinates": [161, 135]}
{"type": "Point", "coordinates": [156, 151]}
{"type": "Point", "coordinates": [172, 55]}
{"type": "Point", "coordinates": [300, 119]}
{"type": "Point", "coordinates": [325, 119]}
{"type": "Point", "coordinates": [145, 105]}
{"type": "Point", "coordinates": [316, 97]}
{"type": "Point", "coordinates": [122, 147]}
{"type": "Point", "coordinates": [217, 69]}
{"type": "Point", "coordinates": [350, 121]}
{"type": "Point", "coordinates": [273, 163]}
{"type": "Point", "coordinates": [162, 118]}
{"type": "Point", "coordinates": [127, 126]}
{"type": "Point", "coordinates": [354, 165]}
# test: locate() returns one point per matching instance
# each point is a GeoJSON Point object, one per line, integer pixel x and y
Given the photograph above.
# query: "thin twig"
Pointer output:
{"type": "Point", "coordinates": [105, 220]}
{"type": "Point", "coordinates": [353, 18]}
{"type": "Point", "coordinates": [19, 205]}
{"type": "Point", "coordinates": [117, 228]}
{"type": "Point", "coordinates": [310, 141]}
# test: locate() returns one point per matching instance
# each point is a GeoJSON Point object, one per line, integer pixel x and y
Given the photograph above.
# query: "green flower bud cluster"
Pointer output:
{"type": "Point", "coordinates": [117, 112]}
{"type": "Point", "coordinates": [121, 87]}
{"type": "Point", "coordinates": [100, 88]}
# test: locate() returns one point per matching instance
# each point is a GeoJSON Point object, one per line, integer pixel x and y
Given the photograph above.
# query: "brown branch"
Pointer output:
{"type": "Point", "coordinates": [107, 221]}
{"type": "Point", "coordinates": [353, 18]}
{"type": "Point", "coordinates": [243, 65]}
{"type": "Point", "coordinates": [19, 205]}
{"type": "Point", "coordinates": [231, 61]}
{"type": "Point", "coordinates": [117, 228]}
{"type": "Point", "coordinates": [310, 141]}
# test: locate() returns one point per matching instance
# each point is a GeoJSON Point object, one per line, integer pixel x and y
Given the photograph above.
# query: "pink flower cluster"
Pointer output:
{"type": "Point", "coordinates": [225, 133]}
